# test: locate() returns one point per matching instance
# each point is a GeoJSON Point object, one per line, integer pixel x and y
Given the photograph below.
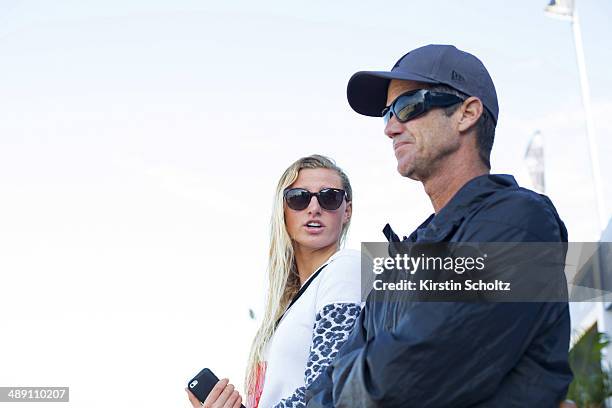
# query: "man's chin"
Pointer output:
{"type": "Point", "coordinates": [407, 172]}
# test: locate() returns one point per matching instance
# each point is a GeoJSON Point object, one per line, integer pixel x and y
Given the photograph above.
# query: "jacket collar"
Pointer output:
{"type": "Point", "coordinates": [438, 226]}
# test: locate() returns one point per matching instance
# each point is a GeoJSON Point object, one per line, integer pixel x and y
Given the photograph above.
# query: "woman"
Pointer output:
{"type": "Point", "coordinates": [314, 296]}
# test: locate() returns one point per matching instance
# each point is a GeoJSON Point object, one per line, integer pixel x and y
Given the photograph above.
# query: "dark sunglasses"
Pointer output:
{"type": "Point", "coordinates": [299, 198]}
{"type": "Point", "coordinates": [411, 104]}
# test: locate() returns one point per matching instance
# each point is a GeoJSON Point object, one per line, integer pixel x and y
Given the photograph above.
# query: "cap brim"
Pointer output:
{"type": "Point", "coordinates": [367, 90]}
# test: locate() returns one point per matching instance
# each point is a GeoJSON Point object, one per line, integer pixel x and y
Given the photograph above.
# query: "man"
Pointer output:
{"type": "Point", "coordinates": [440, 110]}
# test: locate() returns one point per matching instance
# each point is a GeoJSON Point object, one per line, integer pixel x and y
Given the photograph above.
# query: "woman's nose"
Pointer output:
{"type": "Point", "coordinates": [314, 206]}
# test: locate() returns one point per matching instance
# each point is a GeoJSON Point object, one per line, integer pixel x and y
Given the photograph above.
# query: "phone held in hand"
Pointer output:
{"type": "Point", "coordinates": [202, 384]}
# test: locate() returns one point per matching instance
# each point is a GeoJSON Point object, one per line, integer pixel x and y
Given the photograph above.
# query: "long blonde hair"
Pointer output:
{"type": "Point", "coordinates": [283, 278]}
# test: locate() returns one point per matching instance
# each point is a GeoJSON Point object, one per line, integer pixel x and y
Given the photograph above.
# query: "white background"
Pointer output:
{"type": "Point", "coordinates": [140, 143]}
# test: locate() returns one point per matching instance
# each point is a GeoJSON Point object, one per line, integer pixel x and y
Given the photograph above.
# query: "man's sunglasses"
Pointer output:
{"type": "Point", "coordinates": [299, 198]}
{"type": "Point", "coordinates": [411, 104]}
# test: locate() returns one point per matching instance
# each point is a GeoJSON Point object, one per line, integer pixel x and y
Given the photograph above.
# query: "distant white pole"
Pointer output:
{"type": "Point", "coordinates": [567, 10]}
{"type": "Point", "coordinates": [603, 320]}
{"type": "Point", "coordinates": [590, 131]}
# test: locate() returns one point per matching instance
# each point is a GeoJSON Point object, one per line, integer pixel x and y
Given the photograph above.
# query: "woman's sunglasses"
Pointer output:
{"type": "Point", "coordinates": [411, 104]}
{"type": "Point", "coordinates": [299, 198]}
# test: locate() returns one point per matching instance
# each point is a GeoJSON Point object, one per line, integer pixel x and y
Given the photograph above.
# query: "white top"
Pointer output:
{"type": "Point", "coordinates": [287, 351]}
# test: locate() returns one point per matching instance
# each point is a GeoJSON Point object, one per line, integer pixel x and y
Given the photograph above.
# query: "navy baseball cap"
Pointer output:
{"type": "Point", "coordinates": [433, 64]}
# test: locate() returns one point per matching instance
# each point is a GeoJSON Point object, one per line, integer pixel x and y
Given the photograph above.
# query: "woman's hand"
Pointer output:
{"type": "Point", "coordinates": [223, 395]}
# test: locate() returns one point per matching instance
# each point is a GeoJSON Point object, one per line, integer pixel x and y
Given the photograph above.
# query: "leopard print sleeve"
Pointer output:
{"type": "Point", "coordinates": [333, 324]}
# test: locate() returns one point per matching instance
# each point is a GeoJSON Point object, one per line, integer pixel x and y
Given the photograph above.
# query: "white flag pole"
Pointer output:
{"type": "Point", "coordinates": [566, 10]}
{"type": "Point", "coordinates": [590, 131]}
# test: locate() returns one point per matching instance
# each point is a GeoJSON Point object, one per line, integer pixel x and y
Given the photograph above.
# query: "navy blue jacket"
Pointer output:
{"type": "Point", "coordinates": [453, 354]}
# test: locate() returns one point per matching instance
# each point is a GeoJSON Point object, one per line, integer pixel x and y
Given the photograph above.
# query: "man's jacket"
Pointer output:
{"type": "Point", "coordinates": [458, 354]}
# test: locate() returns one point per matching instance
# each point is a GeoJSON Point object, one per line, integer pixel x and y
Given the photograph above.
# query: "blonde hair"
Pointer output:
{"type": "Point", "coordinates": [283, 279]}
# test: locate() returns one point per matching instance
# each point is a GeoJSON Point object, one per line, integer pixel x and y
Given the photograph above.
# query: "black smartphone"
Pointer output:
{"type": "Point", "coordinates": [202, 384]}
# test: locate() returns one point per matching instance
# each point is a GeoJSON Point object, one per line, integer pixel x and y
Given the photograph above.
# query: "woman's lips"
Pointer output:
{"type": "Point", "coordinates": [314, 229]}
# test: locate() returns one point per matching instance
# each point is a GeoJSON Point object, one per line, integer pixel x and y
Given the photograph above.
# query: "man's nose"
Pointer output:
{"type": "Point", "coordinates": [393, 127]}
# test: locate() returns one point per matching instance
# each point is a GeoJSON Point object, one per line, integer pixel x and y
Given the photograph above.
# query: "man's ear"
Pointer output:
{"type": "Point", "coordinates": [471, 111]}
{"type": "Point", "coordinates": [348, 211]}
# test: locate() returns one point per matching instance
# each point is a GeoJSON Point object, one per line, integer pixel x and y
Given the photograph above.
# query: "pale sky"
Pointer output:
{"type": "Point", "coordinates": [141, 141]}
